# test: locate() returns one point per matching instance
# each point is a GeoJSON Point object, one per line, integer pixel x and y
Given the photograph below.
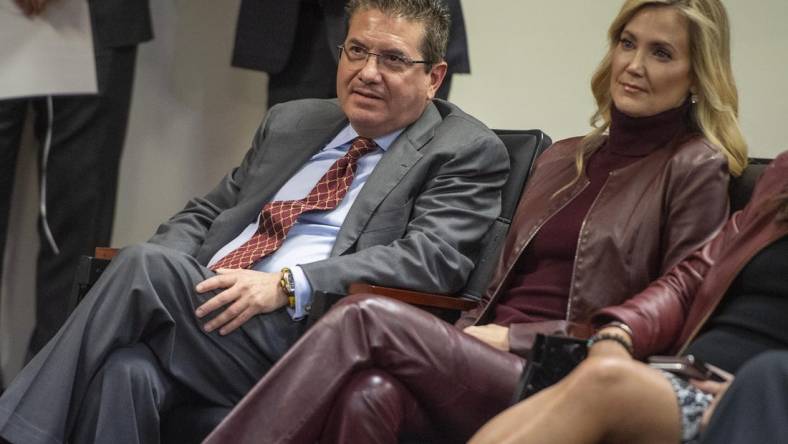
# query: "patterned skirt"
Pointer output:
{"type": "Point", "coordinates": [692, 403]}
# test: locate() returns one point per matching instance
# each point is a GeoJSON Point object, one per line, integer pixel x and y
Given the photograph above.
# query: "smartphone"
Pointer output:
{"type": "Point", "coordinates": [690, 367]}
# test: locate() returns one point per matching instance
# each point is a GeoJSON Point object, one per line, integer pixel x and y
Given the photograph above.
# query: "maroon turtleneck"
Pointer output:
{"type": "Point", "coordinates": [540, 281]}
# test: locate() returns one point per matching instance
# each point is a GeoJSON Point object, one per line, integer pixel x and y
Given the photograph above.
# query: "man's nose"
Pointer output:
{"type": "Point", "coordinates": [370, 71]}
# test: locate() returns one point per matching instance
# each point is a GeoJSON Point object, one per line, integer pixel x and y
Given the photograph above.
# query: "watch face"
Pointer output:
{"type": "Point", "coordinates": [288, 283]}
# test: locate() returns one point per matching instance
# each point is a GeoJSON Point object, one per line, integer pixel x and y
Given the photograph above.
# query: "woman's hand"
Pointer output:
{"type": "Point", "coordinates": [32, 7]}
{"type": "Point", "coordinates": [715, 388]}
{"type": "Point", "coordinates": [493, 335]}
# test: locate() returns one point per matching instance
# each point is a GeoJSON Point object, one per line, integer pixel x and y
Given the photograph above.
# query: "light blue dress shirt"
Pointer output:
{"type": "Point", "coordinates": [313, 235]}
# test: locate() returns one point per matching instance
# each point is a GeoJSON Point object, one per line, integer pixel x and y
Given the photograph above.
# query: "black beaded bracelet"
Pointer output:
{"type": "Point", "coordinates": [610, 337]}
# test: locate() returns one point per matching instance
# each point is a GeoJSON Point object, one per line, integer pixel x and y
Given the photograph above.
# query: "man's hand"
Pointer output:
{"type": "Point", "coordinates": [32, 7]}
{"type": "Point", "coordinates": [246, 293]}
{"type": "Point", "coordinates": [493, 335]}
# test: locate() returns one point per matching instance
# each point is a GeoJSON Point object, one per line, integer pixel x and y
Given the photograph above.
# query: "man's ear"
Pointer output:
{"type": "Point", "coordinates": [435, 78]}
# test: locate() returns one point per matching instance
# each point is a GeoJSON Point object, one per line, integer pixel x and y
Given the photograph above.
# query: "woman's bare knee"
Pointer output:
{"type": "Point", "coordinates": [602, 377]}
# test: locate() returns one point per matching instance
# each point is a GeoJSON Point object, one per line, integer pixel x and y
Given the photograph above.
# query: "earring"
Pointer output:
{"type": "Point", "coordinates": [693, 99]}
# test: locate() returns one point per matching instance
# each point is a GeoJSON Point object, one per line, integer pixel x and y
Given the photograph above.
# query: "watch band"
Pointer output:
{"type": "Point", "coordinates": [287, 283]}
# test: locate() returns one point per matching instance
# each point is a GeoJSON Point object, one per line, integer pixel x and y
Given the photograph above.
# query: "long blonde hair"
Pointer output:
{"type": "Point", "coordinates": [716, 112]}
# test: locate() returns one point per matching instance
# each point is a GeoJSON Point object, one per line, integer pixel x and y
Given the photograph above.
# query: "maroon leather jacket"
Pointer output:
{"type": "Point", "coordinates": [647, 217]}
{"type": "Point", "coordinates": [668, 314]}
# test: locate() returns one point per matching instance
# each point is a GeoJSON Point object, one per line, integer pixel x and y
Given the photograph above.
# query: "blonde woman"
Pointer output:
{"type": "Point", "coordinates": [602, 216]}
{"type": "Point", "coordinates": [725, 304]}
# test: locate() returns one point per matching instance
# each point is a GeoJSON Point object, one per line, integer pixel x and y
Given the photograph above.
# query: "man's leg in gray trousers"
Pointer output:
{"type": "Point", "coordinates": [147, 296]}
{"type": "Point", "coordinates": [123, 400]}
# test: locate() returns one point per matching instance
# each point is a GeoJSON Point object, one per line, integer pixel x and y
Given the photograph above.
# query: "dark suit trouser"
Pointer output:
{"type": "Point", "coordinates": [457, 380]}
{"type": "Point", "coordinates": [88, 133]}
{"type": "Point", "coordinates": [132, 349]}
{"type": "Point", "coordinates": [311, 70]}
{"type": "Point", "coordinates": [755, 407]}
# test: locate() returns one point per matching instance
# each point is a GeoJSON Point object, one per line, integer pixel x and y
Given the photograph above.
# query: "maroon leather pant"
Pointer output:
{"type": "Point", "coordinates": [370, 368]}
{"type": "Point", "coordinates": [373, 407]}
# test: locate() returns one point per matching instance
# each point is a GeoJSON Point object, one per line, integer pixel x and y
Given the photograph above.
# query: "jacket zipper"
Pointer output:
{"type": "Point", "coordinates": [577, 248]}
{"type": "Point", "coordinates": [496, 294]}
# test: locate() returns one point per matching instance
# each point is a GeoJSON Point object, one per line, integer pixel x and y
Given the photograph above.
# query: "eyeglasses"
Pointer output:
{"type": "Point", "coordinates": [390, 62]}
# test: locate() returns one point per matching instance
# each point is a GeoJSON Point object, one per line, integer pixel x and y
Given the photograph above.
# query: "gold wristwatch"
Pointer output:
{"type": "Point", "coordinates": [287, 283]}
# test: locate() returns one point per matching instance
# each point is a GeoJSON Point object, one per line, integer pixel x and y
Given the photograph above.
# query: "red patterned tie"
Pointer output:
{"type": "Point", "coordinates": [277, 218]}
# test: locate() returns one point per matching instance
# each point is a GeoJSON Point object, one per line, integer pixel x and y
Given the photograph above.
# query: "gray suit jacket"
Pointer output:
{"type": "Point", "coordinates": [415, 224]}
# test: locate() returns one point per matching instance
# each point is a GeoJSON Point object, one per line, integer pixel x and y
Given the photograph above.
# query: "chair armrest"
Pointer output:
{"type": "Point", "coordinates": [105, 253]}
{"type": "Point", "coordinates": [89, 268]}
{"type": "Point", "coordinates": [416, 297]}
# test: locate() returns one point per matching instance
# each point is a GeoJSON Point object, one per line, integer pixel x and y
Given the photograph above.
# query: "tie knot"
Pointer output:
{"type": "Point", "coordinates": [361, 146]}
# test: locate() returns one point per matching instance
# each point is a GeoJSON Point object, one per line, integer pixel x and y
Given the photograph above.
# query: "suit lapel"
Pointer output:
{"type": "Point", "coordinates": [393, 166]}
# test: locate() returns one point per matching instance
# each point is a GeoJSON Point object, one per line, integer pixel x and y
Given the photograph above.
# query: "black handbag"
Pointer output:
{"type": "Point", "coordinates": [550, 359]}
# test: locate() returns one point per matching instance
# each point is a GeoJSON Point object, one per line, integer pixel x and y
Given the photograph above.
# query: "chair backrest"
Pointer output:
{"type": "Point", "coordinates": [740, 188]}
{"type": "Point", "coordinates": [523, 146]}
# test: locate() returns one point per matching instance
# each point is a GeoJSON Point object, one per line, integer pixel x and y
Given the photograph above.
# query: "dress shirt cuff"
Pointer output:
{"type": "Point", "coordinates": [303, 294]}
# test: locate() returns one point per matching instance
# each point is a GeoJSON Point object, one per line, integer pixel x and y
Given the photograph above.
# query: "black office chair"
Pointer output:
{"type": "Point", "coordinates": [740, 188]}
{"type": "Point", "coordinates": [523, 146]}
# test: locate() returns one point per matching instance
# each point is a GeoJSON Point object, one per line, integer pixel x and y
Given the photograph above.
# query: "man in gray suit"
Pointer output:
{"type": "Point", "coordinates": [169, 322]}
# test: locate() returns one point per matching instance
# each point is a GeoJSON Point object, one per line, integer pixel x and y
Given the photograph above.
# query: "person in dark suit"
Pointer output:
{"type": "Point", "coordinates": [754, 407]}
{"type": "Point", "coordinates": [81, 139]}
{"type": "Point", "coordinates": [177, 317]}
{"type": "Point", "coordinates": [295, 42]}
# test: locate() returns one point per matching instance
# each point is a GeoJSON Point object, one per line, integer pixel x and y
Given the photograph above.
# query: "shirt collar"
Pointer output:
{"type": "Point", "coordinates": [348, 133]}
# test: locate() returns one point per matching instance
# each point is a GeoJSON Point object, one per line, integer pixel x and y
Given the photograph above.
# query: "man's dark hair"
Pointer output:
{"type": "Point", "coordinates": [433, 14]}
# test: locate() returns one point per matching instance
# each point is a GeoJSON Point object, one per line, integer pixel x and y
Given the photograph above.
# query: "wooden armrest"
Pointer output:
{"type": "Point", "coordinates": [89, 268]}
{"type": "Point", "coordinates": [416, 297]}
{"type": "Point", "coordinates": [105, 252]}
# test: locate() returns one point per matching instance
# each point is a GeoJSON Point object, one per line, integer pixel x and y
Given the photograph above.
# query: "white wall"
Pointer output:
{"type": "Point", "coordinates": [193, 116]}
{"type": "Point", "coordinates": [760, 62]}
